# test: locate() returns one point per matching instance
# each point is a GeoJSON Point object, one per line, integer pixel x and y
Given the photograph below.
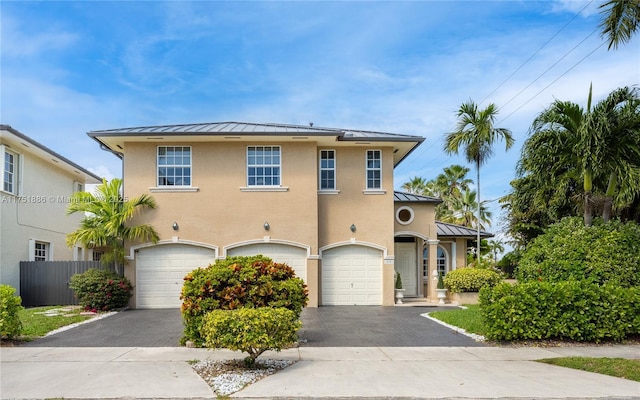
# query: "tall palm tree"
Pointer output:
{"type": "Point", "coordinates": [620, 20]}
{"type": "Point", "coordinates": [453, 180]}
{"type": "Point", "coordinates": [462, 210]}
{"type": "Point", "coordinates": [475, 132]}
{"type": "Point", "coordinates": [106, 217]}
{"type": "Point", "coordinates": [416, 185]}
{"type": "Point", "coordinates": [567, 140]}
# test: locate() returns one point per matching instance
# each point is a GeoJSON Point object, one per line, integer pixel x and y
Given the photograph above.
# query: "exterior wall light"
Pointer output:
{"type": "Point", "coordinates": [266, 226]}
{"type": "Point", "coordinates": [175, 226]}
{"type": "Point", "coordinates": [353, 228]}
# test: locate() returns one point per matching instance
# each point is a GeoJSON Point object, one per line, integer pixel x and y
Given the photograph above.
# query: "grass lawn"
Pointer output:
{"type": "Point", "coordinates": [469, 319]}
{"type": "Point", "coordinates": [35, 323]}
{"type": "Point", "coordinates": [618, 367]}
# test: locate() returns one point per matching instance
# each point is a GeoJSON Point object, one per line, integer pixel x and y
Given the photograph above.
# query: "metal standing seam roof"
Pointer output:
{"type": "Point", "coordinates": [447, 229]}
{"type": "Point", "coordinates": [411, 197]}
{"type": "Point", "coordinates": [244, 128]}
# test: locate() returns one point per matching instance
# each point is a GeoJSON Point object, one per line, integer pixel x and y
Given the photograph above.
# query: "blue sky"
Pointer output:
{"type": "Point", "coordinates": [404, 67]}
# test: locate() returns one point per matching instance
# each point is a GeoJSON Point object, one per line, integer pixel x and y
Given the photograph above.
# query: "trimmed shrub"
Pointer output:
{"type": "Point", "coordinates": [570, 310]}
{"type": "Point", "coordinates": [251, 330]}
{"type": "Point", "coordinates": [238, 282]}
{"type": "Point", "coordinates": [101, 290]}
{"type": "Point", "coordinates": [470, 279]}
{"type": "Point", "coordinates": [602, 253]}
{"type": "Point", "coordinates": [10, 306]}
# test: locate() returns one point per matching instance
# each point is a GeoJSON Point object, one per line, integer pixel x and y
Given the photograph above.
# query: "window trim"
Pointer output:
{"type": "Point", "coordinates": [32, 250]}
{"type": "Point", "coordinates": [403, 208]}
{"type": "Point", "coordinates": [369, 190]}
{"type": "Point", "coordinates": [261, 188]}
{"type": "Point", "coordinates": [159, 187]}
{"type": "Point", "coordinates": [425, 260]}
{"type": "Point", "coordinates": [333, 189]}
{"type": "Point", "coordinates": [17, 170]}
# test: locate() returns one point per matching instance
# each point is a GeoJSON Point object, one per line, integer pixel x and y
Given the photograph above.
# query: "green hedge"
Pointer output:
{"type": "Point", "coordinates": [10, 306]}
{"type": "Point", "coordinates": [238, 282]}
{"type": "Point", "coordinates": [251, 330]}
{"type": "Point", "coordinates": [570, 310]}
{"type": "Point", "coordinates": [101, 289]}
{"type": "Point", "coordinates": [568, 250]}
{"type": "Point", "coordinates": [470, 279]}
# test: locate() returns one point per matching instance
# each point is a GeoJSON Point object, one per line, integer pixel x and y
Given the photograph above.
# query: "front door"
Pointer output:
{"type": "Point", "coordinates": [405, 263]}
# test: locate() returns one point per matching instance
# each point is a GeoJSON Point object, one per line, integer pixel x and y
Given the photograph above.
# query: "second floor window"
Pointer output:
{"type": "Point", "coordinates": [263, 166]}
{"type": "Point", "coordinates": [10, 175]}
{"type": "Point", "coordinates": [327, 170]}
{"type": "Point", "coordinates": [174, 166]}
{"type": "Point", "coordinates": [374, 169]}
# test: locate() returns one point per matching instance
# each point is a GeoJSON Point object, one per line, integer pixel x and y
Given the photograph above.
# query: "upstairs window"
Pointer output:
{"type": "Point", "coordinates": [374, 169]}
{"type": "Point", "coordinates": [327, 170]}
{"type": "Point", "coordinates": [174, 166]}
{"type": "Point", "coordinates": [263, 166]}
{"type": "Point", "coordinates": [10, 175]}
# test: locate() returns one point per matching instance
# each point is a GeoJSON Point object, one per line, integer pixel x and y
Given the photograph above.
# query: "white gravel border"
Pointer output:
{"type": "Point", "coordinates": [477, 338]}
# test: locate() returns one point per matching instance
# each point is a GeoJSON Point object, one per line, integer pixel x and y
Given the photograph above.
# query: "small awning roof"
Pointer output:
{"type": "Point", "coordinates": [451, 230]}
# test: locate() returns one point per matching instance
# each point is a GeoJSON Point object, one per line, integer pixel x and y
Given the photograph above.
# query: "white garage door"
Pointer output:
{"type": "Point", "coordinates": [160, 271]}
{"type": "Point", "coordinates": [352, 275]}
{"type": "Point", "coordinates": [295, 257]}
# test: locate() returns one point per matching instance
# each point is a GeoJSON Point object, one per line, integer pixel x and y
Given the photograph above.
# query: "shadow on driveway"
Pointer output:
{"type": "Point", "coordinates": [329, 326]}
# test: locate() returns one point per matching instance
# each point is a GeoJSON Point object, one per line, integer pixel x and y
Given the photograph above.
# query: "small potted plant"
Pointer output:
{"type": "Point", "coordinates": [398, 289]}
{"type": "Point", "coordinates": [441, 290]}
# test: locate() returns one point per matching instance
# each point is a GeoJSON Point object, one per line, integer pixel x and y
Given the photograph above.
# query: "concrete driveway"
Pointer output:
{"type": "Point", "coordinates": [337, 326]}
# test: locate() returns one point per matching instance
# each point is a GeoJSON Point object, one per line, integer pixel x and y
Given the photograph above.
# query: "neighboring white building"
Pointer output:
{"type": "Point", "coordinates": [36, 185]}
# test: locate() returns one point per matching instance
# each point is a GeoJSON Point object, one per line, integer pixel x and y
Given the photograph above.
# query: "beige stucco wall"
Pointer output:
{"type": "Point", "coordinates": [221, 214]}
{"type": "Point", "coordinates": [38, 213]}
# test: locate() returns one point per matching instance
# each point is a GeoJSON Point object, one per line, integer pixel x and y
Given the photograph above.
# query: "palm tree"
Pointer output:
{"type": "Point", "coordinates": [476, 134]}
{"type": "Point", "coordinates": [568, 141]}
{"type": "Point", "coordinates": [416, 185]}
{"type": "Point", "coordinates": [620, 20]}
{"type": "Point", "coordinates": [453, 180]}
{"type": "Point", "coordinates": [462, 211]}
{"type": "Point", "coordinates": [106, 217]}
{"type": "Point", "coordinates": [495, 246]}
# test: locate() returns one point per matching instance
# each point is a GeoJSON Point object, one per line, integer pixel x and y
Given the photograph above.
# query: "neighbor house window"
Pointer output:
{"type": "Point", "coordinates": [10, 176]}
{"type": "Point", "coordinates": [327, 170]}
{"type": "Point", "coordinates": [263, 166]}
{"type": "Point", "coordinates": [97, 255]}
{"type": "Point", "coordinates": [374, 169]}
{"type": "Point", "coordinates": [41, 251]}
{"type": "Point", "coordinates": [174, 166]}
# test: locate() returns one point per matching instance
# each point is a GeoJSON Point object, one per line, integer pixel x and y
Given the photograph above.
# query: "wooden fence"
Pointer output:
{"type": "Point", "coordinates": [46, 283]}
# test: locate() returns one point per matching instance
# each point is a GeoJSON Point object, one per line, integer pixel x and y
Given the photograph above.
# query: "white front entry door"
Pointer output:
{"type": "Point", "coordinates": [405, 263]}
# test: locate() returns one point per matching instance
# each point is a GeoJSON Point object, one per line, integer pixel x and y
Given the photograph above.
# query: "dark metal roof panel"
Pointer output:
{"type": "Point", "coordinates": [411, 197]}
{"type": "Point", "coordinates": [446, 229]}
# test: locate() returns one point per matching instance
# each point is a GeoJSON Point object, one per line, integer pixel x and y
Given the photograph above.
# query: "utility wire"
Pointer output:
{"type": "Point", "coordinates": [554, 81]}
{"type": "Point", "coordinates": [536, 53]}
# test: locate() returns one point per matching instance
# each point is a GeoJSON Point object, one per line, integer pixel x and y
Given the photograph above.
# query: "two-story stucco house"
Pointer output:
{"type": "Point", "coordinates": [36, 186]}
{"type": "Point", "coordinates": [319, 199]}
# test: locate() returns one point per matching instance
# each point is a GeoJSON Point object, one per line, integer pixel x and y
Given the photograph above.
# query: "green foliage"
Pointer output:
{"type": "Point", "coordinates": [238, 282]}
{"type": "Point", "coordinates": [251, 330]}
{"type": "Point", "coordinates": [570, 310]}
{"type": "Point", "coordinates": [470, 279]}
{"type": "Point", "coordinates": [604, 252]}
{"type": "Point", "coordinates": [10, 306]}
{"type": "Point", "coordinates": [398, 281]}
{"type": "Point", "coordinates": [509, 262]}
{"type": "Point", "coordinates": [469, 318]}
{"type": "Point", "coordinates": [101, 290]}
{"type": "Point", "coordinates": [440, 281]}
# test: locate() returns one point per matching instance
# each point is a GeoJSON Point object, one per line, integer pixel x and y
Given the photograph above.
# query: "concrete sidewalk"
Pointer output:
{"type": "Point", "coordinates": [364, 372]}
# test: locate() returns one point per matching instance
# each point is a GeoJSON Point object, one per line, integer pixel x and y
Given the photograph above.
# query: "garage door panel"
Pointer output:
{"type": "Point", "coordinates": [160, 271]}
{"type": "Point", "coordinates": [352, 275]}
{"type": "Point", "coordinates": [295, 257]}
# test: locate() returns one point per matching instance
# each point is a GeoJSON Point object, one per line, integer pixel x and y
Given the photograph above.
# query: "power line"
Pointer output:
{"type": "Point", "coordinates": [536, 53]}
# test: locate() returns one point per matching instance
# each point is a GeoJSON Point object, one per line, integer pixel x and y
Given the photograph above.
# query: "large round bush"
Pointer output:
{"type": "Point", "coordinates": [470, 279]}
{"type": "Point", "coordinates": [101, 290]}
{"type": "Point", "coordinates": [10, 306]}
{"type": "Point", "coordinates": [568, 250]}
{"type": "Point", "coordinates": [238, 282]}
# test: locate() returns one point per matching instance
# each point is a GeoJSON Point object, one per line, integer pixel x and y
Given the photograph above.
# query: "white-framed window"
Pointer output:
{"type": "Point", "coordinates": [405, 215]}
{"type": "Point", "coordinates": [41, 251]}
{"type": "Point", "coordinates": [78, 187]}
{"type": "Point", "coordinates": [10, 171]}
{"type": "Point", "coordinates": [174, 166]}
{"type": "Point", "coordinates": [263, 166]}
{"type": "Point", "coordinates": [96, 255]}
{"type": "Point", "coordinates": [327, 170]}
{"type": "Point", "coordinates": [374, 169]}
{"type": "Point", "coordinates": [441, 261]}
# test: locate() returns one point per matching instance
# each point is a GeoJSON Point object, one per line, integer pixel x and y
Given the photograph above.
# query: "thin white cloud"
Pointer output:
{"type": "Point", "coordinates": [19, 42]}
